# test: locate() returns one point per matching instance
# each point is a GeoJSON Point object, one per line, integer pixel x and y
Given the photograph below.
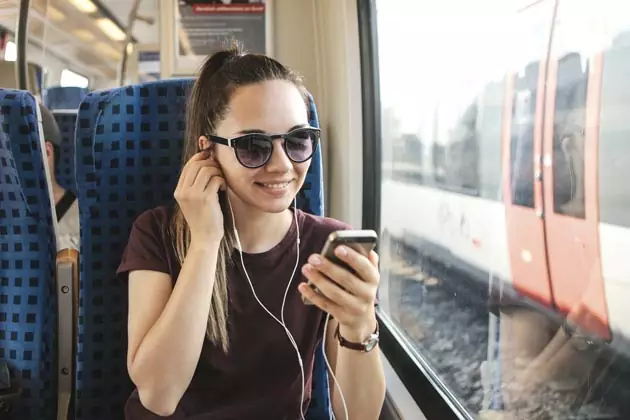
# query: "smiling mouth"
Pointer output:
{"type": "Point", "coordinates": [274, 185]}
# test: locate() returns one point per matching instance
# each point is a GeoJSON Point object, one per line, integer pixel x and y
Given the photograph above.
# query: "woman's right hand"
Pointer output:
{"type": "Point", "coordinates": [197, 196]}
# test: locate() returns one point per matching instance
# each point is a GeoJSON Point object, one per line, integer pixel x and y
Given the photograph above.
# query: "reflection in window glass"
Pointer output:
{"type": "Point", "coordinates": [568, 136]}
{"type": "Point", "coordinates": [444, 230]}
{"type": "Point", "coordinates": [614, 135]}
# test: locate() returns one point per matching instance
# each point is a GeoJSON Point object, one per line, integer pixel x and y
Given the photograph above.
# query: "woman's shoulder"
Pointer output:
{"type": "Point", "coordinates": [148, 247]}
{"type": "Point", "coordinates": [317, 228]}
{"type": "Point", "coordinates": [159, 216]}
{"type": "Point", "coordinates": [323, 223]}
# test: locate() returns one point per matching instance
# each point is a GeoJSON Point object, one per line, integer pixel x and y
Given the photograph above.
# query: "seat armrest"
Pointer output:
{"type": "Point", "coordinates": [67, 288]}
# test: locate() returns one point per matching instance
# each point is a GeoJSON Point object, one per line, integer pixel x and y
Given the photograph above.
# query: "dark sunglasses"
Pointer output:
{"type": "Point", "coordinates": [254, 150]}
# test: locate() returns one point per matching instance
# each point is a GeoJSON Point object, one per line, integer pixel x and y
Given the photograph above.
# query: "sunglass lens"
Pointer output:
{"type": "Point", "coordinates": [300, 144]}
{"type": "Point", "coordinates": [253, 150]}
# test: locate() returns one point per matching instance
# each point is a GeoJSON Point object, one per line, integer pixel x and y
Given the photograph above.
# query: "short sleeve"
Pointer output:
{"type": "Point", "coordinates": [146, 248]}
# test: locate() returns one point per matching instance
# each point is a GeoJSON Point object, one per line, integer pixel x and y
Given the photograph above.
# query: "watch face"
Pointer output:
{"type": "Point", "coordinates": [371, 343]}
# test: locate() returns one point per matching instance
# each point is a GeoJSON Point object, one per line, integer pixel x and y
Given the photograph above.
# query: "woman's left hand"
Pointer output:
{"type": "Point", "coordinates": [353, 307]}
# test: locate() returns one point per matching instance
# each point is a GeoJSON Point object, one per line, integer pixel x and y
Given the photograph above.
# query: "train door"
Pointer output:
{"type": "Point", "coordinates": [522, 148]}
{"type": "Point", "coordinates": [570, 156]}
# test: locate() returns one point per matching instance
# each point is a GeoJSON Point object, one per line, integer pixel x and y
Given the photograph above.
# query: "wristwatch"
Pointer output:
{"type": "Point", "coordinates": [365, 346]}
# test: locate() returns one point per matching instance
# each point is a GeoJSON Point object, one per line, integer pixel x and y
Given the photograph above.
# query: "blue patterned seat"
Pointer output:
{"type": "Point", "coordinates": [27, 260]}
{"type": "Point", "coordinates": [128, 153]}
{"type": "Point", "coordinates": [59, 97]}
{"type": "Point", "coordinates": [66, 120]}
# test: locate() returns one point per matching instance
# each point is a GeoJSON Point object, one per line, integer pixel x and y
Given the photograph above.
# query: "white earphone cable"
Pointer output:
{"type": "Point", "coordinates": [281, 321]}
{"type": "Point", "coordinates": [282, 324]}
{"type": "Point", "coordinates": [343, 399]}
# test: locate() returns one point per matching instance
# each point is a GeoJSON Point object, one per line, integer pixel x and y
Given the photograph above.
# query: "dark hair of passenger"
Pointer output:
{"type": "Point", "coordinates": [220, 75]}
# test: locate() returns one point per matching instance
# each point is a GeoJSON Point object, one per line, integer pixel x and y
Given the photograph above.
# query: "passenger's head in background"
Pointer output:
{"type": "Point", "coordinates": [52, 137]}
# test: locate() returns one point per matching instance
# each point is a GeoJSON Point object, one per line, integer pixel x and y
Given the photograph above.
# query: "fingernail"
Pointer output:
{"type": "Point", "coordinates": [341, 251]}
{"type": "Point", "coordinates": [306, 268]}
{"type": "Point", "coordinates": [315, 260]}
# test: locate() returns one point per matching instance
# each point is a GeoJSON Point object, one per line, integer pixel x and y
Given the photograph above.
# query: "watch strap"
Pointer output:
{"type": "Point", "coordinates": [357, 346]}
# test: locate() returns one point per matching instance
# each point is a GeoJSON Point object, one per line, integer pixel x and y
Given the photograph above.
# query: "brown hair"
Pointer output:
{"type": "Point", "coordinates": [220, 75]}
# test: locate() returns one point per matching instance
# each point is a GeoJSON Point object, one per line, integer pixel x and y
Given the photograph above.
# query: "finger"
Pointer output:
{"type": "Point", "coordinates": [193, 171]}
{"type": "Point", "coordinates": [319, 300]}
{"type": "Point", "coordinates": [359, 263]}
{"type": "Point", "coordinates": [331, 290]}
{"type": "Point", "coordinates": [216, 183]}
{"type": "Point", "coordinates": [341, 276]}
{"type": "Point", "coordinates": [203, 155]}
{"type": "Point", "coordinates": [195, 158]}
{"type": "Point", "coordinates": [374, 258]}
{"type": "Point", "coordinates": [203, 177]}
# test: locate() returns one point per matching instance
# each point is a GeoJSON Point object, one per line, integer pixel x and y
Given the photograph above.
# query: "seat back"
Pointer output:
{"type": "Point", "coordinates": [27, 259]}
{"type": "Point", "coordinates": [66, 98]}
{"type": "Point", "coordinates": [64, 173]}
{"type": "Point", "coordinates": [128, 151]}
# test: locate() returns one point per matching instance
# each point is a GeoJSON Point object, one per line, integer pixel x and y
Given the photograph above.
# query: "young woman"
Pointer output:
{"type": "Point", "coordinates": [201, 345]}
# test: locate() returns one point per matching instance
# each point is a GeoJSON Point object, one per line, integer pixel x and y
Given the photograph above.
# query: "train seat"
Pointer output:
{"type": "Point", "coordinates": [66, 120]}
{"type": "Point", "coordinates": [27, 261]}
{"type": "Point", "coordinates": [60, 97]}
{"type": "Point", "coordinates": [127, 155]}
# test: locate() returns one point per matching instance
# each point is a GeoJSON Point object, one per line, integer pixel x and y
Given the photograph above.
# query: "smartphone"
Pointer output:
{"type": "Point", "coordinates": [362, 241]}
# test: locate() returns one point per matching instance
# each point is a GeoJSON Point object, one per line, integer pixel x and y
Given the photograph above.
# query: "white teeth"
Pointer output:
{"type": "Point", "coordinates": [276, 186]}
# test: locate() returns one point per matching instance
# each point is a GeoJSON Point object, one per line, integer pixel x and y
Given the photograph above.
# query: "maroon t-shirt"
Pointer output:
{"type": "Point", "coordinates": [259, 378]}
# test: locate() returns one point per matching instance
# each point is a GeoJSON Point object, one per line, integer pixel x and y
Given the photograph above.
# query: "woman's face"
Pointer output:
{"type": "Point", "coordinates": [274, 107]}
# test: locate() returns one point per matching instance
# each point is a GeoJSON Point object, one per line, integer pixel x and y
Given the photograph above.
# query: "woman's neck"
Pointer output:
{"type": "Point", "coordinates": [259, 231]}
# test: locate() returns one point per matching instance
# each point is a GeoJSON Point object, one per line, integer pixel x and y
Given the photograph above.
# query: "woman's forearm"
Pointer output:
{"type": "Point", "coordinates": [361, 378]}
{"type": "Point", "coordinates": [167, 357]}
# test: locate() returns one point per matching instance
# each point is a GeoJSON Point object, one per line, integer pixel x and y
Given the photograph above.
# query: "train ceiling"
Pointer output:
{"type": "Point", "coordinates": [77, 33]}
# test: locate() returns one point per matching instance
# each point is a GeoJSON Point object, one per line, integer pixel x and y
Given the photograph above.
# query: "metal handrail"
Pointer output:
{"type": "Point", "coordinates": [22, 42]}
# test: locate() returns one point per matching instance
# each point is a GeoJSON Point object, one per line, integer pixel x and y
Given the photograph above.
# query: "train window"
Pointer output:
{"type": "Point", "coordinates": [70, 78]}
{"type": "Point", "coordinates": [455, 150]}
{"type": "Point", "coordinates": [407, 156]}
{"type": "Point", "coordinates": [614, 132]}
{"type": "Point", "coordinates": [489, 125]}
{"type": "Point", "coordinates": [568, 135]}
{"type": "Point", "coordinates": [529, 47]}
{"type": "Point", "coordinates": [441, 132]}
{"type": "Point", "coordinates": [10, 52]}
{"type": "Point", "coordinates": [516, 307]}
{"type": "Point", "coordinates": [522, 135]}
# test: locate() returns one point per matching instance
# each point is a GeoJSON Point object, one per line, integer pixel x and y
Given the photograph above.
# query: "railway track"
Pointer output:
{"type": "Point", "coordinates": [449, 324]}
